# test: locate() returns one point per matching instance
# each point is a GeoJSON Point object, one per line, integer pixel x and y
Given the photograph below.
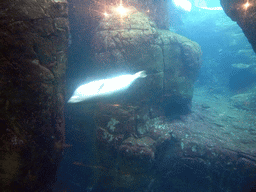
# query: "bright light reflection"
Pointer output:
{"type": "Point", "coordinates": [183, 4]}
{"type": "Point", "coordinates": [105, 14]}
{"type": "Point", "coordinates": [246, 5]}
{"type": "Point", "coordinates": [121, 10]}
{"type": "Point", "coordinates": [211, 8]}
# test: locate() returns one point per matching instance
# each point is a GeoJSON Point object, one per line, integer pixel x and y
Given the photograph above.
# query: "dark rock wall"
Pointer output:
{"type": "Point", "coordinates": [244, 16]}
{"type": "Point", "coordinates": [33, 44]}
{"type": "Point", "coordinates": [210, 149]}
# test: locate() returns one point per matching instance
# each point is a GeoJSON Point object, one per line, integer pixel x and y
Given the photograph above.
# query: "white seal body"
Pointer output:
{"type": "Point", "coordinates": [104, 87]}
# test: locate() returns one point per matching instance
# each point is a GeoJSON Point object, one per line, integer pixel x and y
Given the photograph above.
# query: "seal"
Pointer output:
{"type": "Point", "coordinates": [104, 87]}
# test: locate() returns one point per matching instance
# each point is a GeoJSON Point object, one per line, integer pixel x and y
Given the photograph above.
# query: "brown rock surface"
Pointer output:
{"type": "Point", "coordinates": [33, 44]}
{"type": "Point", "coordinates": [244, 16]}
{"type": "Point", "coordinates": [133, 43]}
{"type": "Point", "coordinates": [213, 147]}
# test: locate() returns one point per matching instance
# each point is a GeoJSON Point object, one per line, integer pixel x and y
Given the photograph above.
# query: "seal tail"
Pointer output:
{"type": "Point", "coordinates": [141, 74]}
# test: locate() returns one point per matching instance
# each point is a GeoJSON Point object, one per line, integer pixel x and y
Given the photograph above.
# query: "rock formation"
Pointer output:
{"type": "Point", "coordinates": [134, 43]}
{"type": "Point", "coordinates": [244, 15]}
{"type": "Point", "coordinates": [33, 44]}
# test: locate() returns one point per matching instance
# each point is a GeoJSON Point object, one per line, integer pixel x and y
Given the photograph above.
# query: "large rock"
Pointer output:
{"type": "Point", "coordinates": [244, 16]}
{"type": "Point", "coordinates": [137, 149]}
{"type": "Point", "coordinates": [246, 100]}
{"type": "Point", "coordinates": [33, 44]}
{"type": "Point", "coordinates": [140, 149]}
{"type": "Point", "coordinates": [133, 43]}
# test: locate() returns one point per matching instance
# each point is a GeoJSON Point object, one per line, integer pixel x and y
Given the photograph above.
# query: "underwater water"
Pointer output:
{"type": "Point", "coordinates": [175, 146]}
